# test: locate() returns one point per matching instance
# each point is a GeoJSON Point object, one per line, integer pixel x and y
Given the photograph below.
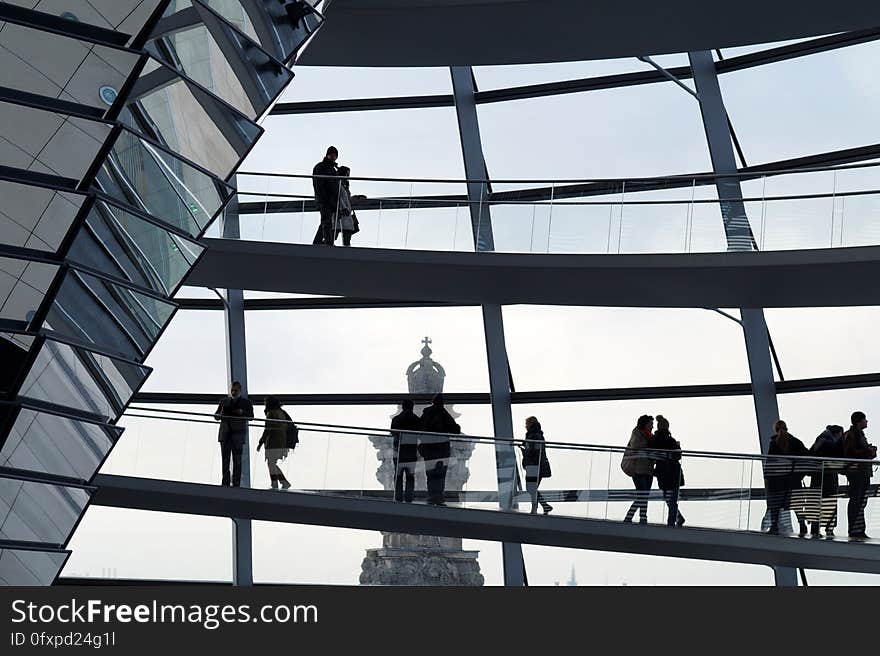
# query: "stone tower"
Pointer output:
{"type": "Point", "coordinates": [407, 559]}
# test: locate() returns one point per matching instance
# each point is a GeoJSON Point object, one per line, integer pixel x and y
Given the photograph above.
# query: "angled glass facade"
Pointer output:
{"type": "Point", "coordinates": [120, 127]}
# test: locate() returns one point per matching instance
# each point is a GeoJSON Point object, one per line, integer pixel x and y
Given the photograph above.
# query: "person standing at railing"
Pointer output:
{"type": "Point", "coordinates": [326, 187]}
{"type": "Point", "coordinates": [346, 219]}
{"type": "Point", "coordinates": [829, 444]}
{"type": "Point", "coordinates": [535, 463]}
{"type": "Point", "coordinates": [274, 438]}
{"type": "Point", "coordinates": [856, 447]}
{"type": "Point", "coordinates": [436, 450]}
{"type": "Point", "coordinates": [781, 475]}
{"type": "Point", "coordinates": [233, 413]}
{"type": "Point", "coordinates": [667, 469]}
{"type": "Point", "coordinates": [406, 451]}
{"type": "Point", "coordinates": [638, 465]}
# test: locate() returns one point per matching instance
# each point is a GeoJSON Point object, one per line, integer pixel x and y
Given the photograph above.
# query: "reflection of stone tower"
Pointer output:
{"type": "Point", "coordinates": [407, 559]}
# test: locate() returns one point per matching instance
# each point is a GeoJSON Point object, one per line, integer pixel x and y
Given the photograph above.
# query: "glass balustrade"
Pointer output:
{"type": "Point", "coordinates": [809, 209]}
{"type": "Point", "coordinates": [731, 492]}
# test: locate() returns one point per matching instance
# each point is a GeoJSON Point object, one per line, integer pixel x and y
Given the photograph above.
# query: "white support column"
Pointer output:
{"type": "Point", "coordinates": [739, 237]}
{"type": "Point", "coordinates": [463, 88]}
{"type": "Point", "coordinates": [236, 367]}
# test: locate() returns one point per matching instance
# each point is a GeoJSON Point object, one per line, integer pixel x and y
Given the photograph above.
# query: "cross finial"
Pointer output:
{"type": "Point", "coordinates": [427, 341]}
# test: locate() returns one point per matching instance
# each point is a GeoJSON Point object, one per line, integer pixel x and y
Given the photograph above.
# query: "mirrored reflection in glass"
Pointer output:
{"type": "Point", "coordinates": [279, 27]}
{"type": "Point", "coordinates": [73, 377]}
{"type": "Point", "coordinates": [53, 444]}
{"type": "Point", "coordinates": [148, 178]}
{"type": "Point", "coordinates": [221, 59]}
{"type": "Point", "coordinates": [39, 512]}
{"type": "Point", "coordinates": [31, 568]}
{"type": "Point", "coordinates": [97, 311]}
{"type": "Point", "coordinates": [188, 120]}
{"type": "Point", "coordinates": [35, 217]}
{"type": "Point", "coordinates": [128, 246]}
{"type": "Point", "coordinates": [14, 355]}
{"type": "Point", "coordinates": [23, 285]}
{"type": "Point", "coordinates": [52, 65]}
{"type": "Point", "coordinates": [49, 142]}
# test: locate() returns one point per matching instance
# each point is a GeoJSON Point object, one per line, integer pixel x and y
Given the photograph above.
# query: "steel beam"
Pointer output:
{"type": "Point", "coordinates": [464, 88]}
{"type": "Point", "coordinates": [739, 238]}
{"type": "Point", "coordinates": [236, 367]}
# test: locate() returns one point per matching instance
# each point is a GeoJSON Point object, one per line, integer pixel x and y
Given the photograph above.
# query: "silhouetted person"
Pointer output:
{"type": "Point", "coordinates": [639, 466]}
{"type": "Point", "coordinates": [856, 447]}
{"type": "Point", "coordinates": [233, 413]}
{"type": "Point", "coordinates": [435, 451]}
{"type": "Point", "coordinates": [535, 463]}
{"type": "Point", "coordinates": [274, 438]}
{"type": "Point", "coordinates": [667, 469]}
{"type": "Point", "coordinates": [406, 451]}
{"type": "Point", "coordinates": [781, 475]}
{"type": "Point", "coordinates": [346, 220]}
{"type": "Point", "coordinates": [326, 196]}
{"type": "Point", "coordinates": [829, 444]}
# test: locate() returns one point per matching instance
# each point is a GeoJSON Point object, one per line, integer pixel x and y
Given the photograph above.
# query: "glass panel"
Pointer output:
{"type": "Point", "coordinates": [76, 378]}
{"type": "Point", "coordinates": [222, 60]}
{"type": "Point", "coordinates": [279, 29]}
{"type": "Point", "coordinates": [154, 181]}
{"type": "Point", "coordinates": [52, 65]}
{"type": "Point", "coordinates": [590, 348]}
{"type": "Point", "coordinates": [49, 142]}
{"type": "Point", "coordinates": [127, 246]}
{"type": "Point", "coordinates": [188, 120]}
{"type": "Point", "coordinates": [788, 122]}
{"type": "Point", "coordinates": [39, 512]}
{"type": "Point", "coordinates": [23, 285]}
{"type": "Point", "coordinates": [202, 336]}
{"type": "Point", "coordinates": [44, 442]}
{"type": "Point", "coordinates": [621, 141]}
{"type": "Point", "coordinates": [107, 315]}
{"type": "Point", "coordinates": [386, 346]}
{"type": "Point", "coordinates": [26, 567]}
{"type": "Point", "coordinates": [35, 217]}
{"type": "Point", "coordinates": [112, 543]}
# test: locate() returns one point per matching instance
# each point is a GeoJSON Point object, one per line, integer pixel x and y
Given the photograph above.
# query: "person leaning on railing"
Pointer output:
{"type": "Point", "coordinates": [829, 444]}
{"type": "Point", "coordinates": [667, 469]}
{"type": "Point", "coordinates": [782, 475]}
{"type": "Point", "coordinates": [638, 465]}
{"type": "Point", "coordinates": [856, 447]}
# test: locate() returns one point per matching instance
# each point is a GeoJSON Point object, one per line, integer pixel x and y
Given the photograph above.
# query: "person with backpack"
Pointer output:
{"type": "Point", "coordinates": [784, 474]}
{"type": "Point", "coordinates": [638, 465]}
{"type": "Point", "coordinates": [829, 444]}
{"type": "Point", "coordinates": [667, 469]}
{"type": "Point", "coordinates": [279, 437]}
{"type": "Point", "coordinates": [535, 463]}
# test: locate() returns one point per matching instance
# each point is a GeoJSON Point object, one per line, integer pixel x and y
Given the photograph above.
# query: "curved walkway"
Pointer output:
{"type": "Point", "coordinates": [803, 278]}
{"type": "Point", "coordinates": [576, 533]}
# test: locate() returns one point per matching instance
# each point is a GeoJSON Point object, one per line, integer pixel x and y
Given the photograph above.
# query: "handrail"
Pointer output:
{"type": "Point", "coordinates": [567, 201]}
{"type": "Point", "coordinates": [755, 173]}
{"type": "Point", "coordinates": [342, 429]}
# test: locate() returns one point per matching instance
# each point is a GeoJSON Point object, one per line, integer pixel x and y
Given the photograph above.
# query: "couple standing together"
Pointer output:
{"type": "Point", "coordinates": [333, 198]}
